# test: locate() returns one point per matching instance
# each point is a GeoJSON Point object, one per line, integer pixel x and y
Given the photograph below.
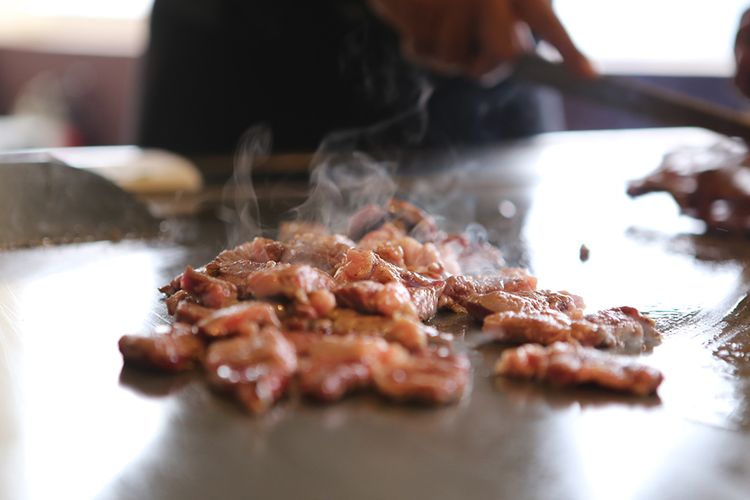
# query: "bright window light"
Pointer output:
{"type": "Point", "coordinates": [679, 37]}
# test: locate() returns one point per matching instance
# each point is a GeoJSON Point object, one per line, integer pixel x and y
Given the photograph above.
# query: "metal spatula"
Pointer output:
{"type": "Point", "coordinates": [665, 106]}
{"type": "Point", "coordinates": [49, 202]}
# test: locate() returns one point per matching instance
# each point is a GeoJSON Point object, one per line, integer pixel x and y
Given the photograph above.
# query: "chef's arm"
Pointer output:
{"type": "Point", "coordinates": [475, 37]}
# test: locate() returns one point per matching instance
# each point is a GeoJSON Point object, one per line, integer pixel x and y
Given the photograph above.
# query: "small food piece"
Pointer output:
{"type": "Point", "coordinates": [458, 289]}
{"type": "Point", "coordinates": [174, 300]}
{"type": "Point", "coordinates": [293, 281]}
{"type": "Point", "coordinates": [584, 253]}
{"type": "Point", "coordinates": [567, 364]}
{"type": "Point", "coordinates": [324, 252]}
{"type": "Point", "coordinates": [389, 299]}
{"type": "Point", "coordinates": [336, 366]}
{"type": "Point", "coordinates": [170, 348]}
{"type": "Point", "coordinates": [291, 229]}
{"type": "Point", "coordinates": [256, 368]}
{"type": "Point", "coordinates": [615, 327]}
{"type": "Point", "coordinates": [361, 265]}
{"type": "Point", "coordinates": [191, 313]}
{"type": "Point", "coordinates": [208, 291]}
{"type": "Point", "coordinates": [433, 376]}
{"type": "Point", "coordinates": [238, 319]}
{"type": "Point", "coordinates": [541, 301]}
{"type": "Point", "coordinates": [258, 251]}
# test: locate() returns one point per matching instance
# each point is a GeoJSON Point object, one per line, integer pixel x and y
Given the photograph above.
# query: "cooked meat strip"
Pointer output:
{"type": "Point", "coordinates": [256, 368]}
{"type": "Point", "coordinates": [239, 272]}
{"type": "Point", "coordinates": [293, 281]}
{"type": "Point", "coordinates": [426, 299]}
{"type": "Point", "coordinates": [291, 229]}
{"type": "Point", "coordinates": [508, 279]}
{"type": "Point", "coordinates": [386, 233]}
{"type": "Point", "coordinates": [210, 292]}
{"type": "Point", "coordinates": [174, 300]}
{"type": "Point", "coordinates": [172, 287]}
{"type": "Point", "coordinates": [432, 376]}
{"type": "Point", "coordinates": [259, 250]}
{"type": "Point", "coordinates": [413, 220]}
{"type": "Point", "coordinates": [238, 319]}
{"type": "Point", "coordinates": [389, 299]}
{"type": "Point", "coordinates": [408, 332]}
{"type": "Point", "coordinates": [567, 364]}
{"type": "Point", "coordinates": [336, 366]}
{"type": "Point", "coordinates": [536, 301]}
{"type": "Point", "coordinates": [191, 313]}
{"type": "Point", "coordinates": [169, 348]}
{"type": "Point", "coordinates": [616, 327]}
{"type": "Point", "coordinates": [360, 265]}
{"type": "Point", "coordinates": [324, 252]}
{"type": "Point", "coordinates": [302, 340]}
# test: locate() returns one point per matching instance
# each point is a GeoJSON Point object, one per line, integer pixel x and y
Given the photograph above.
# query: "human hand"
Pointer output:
{"type": "Point", "coordinates": [476, 37]}
{"type": "Point", "coordinates": [742, 55]}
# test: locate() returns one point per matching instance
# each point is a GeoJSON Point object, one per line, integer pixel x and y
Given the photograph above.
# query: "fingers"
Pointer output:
{"type": "Point", "coordinates": [540, 17]}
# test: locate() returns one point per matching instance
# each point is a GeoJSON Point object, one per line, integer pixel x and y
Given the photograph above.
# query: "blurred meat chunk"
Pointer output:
{"type": "Point", "coordinates": [536, 301]}
{"type": "Point", "coordinates": [336, 366]}
{"type": "Point", "coordinates": [324, 252]}
{"type": "Point", "coordinates": [389, 299]}
{"type": "Point", "coordinates": [361, 265]}
{"type": "Point", "coordinates": [710, 184]}
{"type": "Point", "coordinates": [293, 281]}
{"type": "Point", "coordinates": [170, 348]}
{"type": "Point", "coordinates": [458, 289]}
{"type": "Point", "coordinates": [239, 319]}
{"type": "Point", "coordinates": [566, 364]}
{"type": "Point", "coordinates": [289, 230]}
{"type": "Point", "coordinates": [256, 368]}
{"type": "Point", "coordinates": [432, 376]}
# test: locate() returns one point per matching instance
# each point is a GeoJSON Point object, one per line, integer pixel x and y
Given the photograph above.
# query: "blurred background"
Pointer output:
{"type": "Point", "coordinates": [69, 71]}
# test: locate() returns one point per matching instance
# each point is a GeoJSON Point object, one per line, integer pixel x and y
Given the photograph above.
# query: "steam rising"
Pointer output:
{"type": "Point", "coordinates": [240, 210]}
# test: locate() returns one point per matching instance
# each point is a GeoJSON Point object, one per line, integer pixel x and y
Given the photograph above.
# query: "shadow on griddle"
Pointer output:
{"type": "Point", "coordinates": [155, 384]}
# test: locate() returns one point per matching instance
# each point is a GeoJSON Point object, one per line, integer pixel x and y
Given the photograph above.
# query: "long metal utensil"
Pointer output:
{"type": "Point", "coordinates": [665, 106]}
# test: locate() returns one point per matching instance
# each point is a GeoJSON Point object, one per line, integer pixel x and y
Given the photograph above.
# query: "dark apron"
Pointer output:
{"type": "Point", "coordinates": [307, 69]}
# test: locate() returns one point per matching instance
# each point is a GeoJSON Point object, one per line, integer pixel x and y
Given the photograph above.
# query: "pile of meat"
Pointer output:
{"type": "Point", "coordinates": [331, 314]}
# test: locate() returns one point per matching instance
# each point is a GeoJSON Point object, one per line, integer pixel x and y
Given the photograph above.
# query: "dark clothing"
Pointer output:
{"type": "Point", "coordinates": [307, 68]}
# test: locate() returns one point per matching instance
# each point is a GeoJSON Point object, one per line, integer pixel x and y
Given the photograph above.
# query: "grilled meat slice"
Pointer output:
{"type": "Point", "coordinates": [324, 252]}
{"type": "Point", "coordinates": [540, 301]}
{"type": "Point", "coordinates": [256, 368]}
{"type": "Point", "coordinates": [615, 327]}
{"type": "Point", "coordinates": [169, 348]}
{"type": "Point", "coordinates": [434, 376]}
{"type": "Point", "coordinates": [239, 319]}
{"type": "Point", "coordinates": [567, 364]}
{"type": "Point", "coordinates": [336, 366]}
{"type": "Point", "coordinates": [293, 281]}
{"type": "Point", "coordinates": [208, 291]}
{"type": "Point", "coordinates": [389, 299]}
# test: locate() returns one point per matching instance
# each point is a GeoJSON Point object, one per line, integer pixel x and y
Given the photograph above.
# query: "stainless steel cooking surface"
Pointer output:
{"type": "Point", "coordinates": [75, 424]}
